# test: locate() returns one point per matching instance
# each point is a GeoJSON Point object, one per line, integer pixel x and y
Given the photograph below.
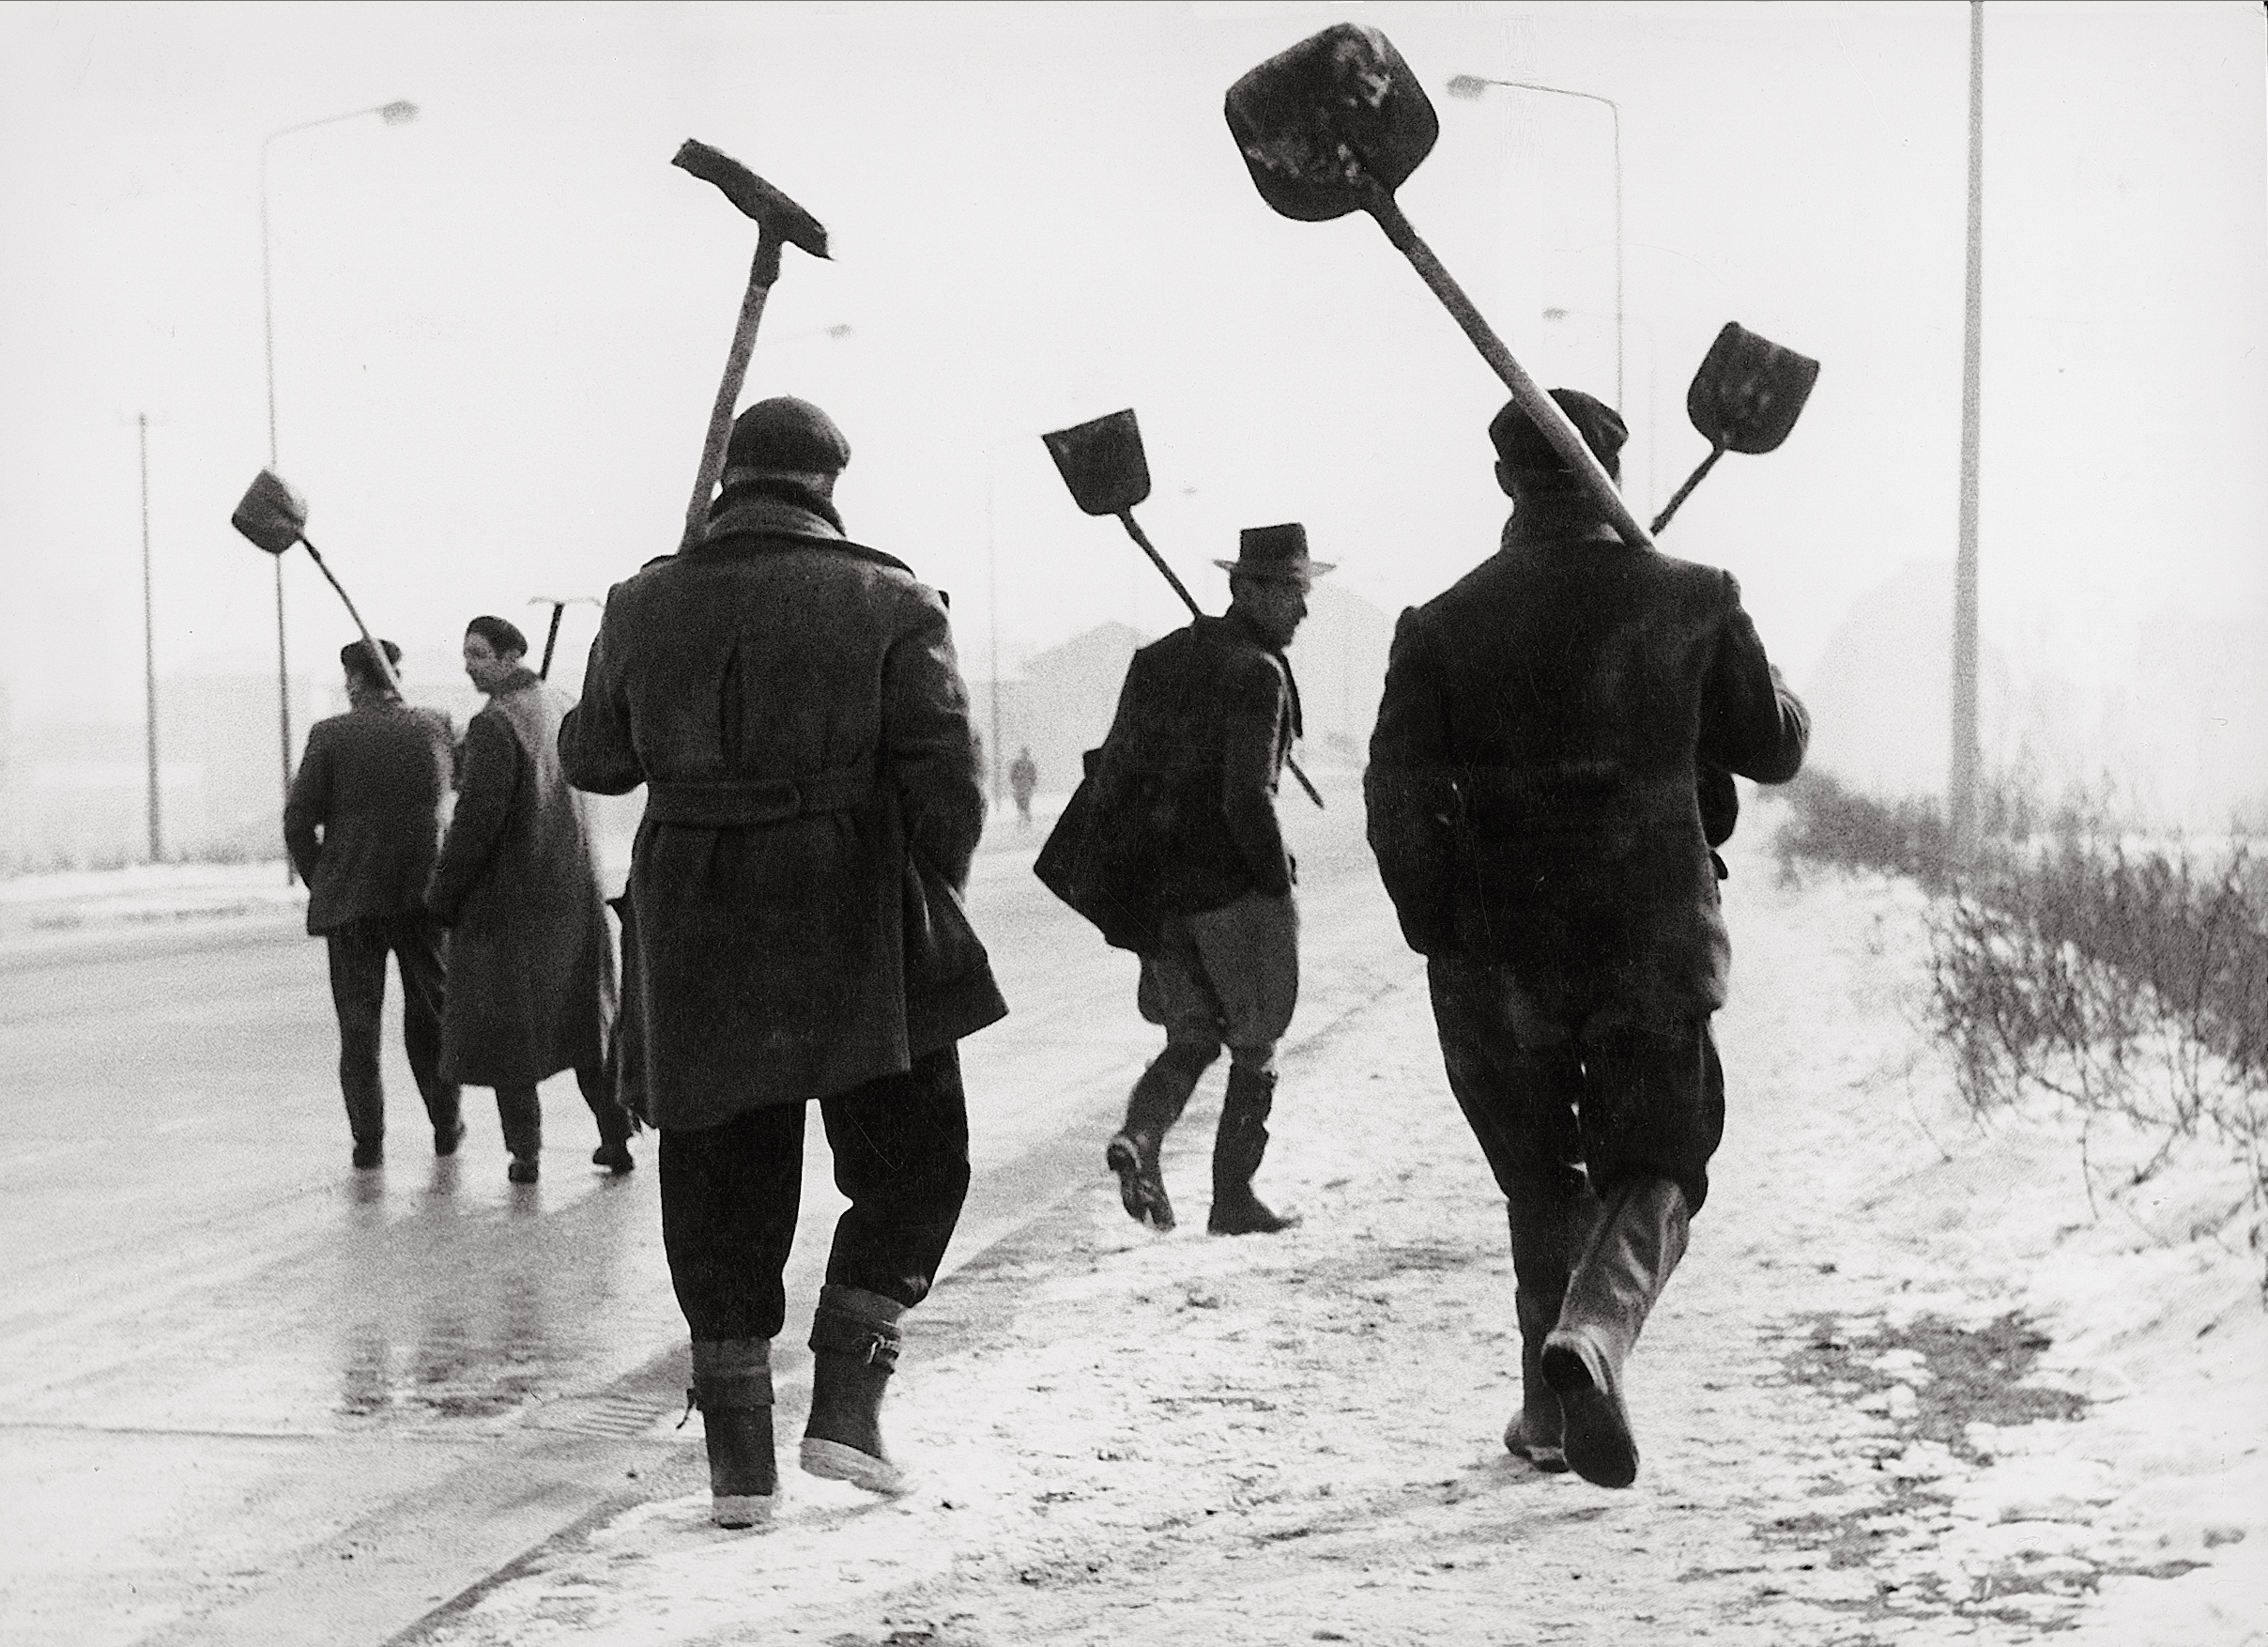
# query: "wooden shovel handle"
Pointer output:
{"type": "Point", "coordinates": [1126, 517]}
{"type": "Point", "coordinates": [1538, 406]}
{"type": "Point", "coordinates": [378, 652]}
{"type": "Point", "coordinates": [760, 276]}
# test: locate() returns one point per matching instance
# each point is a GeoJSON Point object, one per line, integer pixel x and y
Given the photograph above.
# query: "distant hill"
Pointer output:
{"type": "Point", "coordinates": [2179, 739]}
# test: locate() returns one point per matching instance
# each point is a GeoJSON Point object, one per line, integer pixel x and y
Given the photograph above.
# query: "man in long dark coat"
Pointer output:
{"type": "Point", "coordinates": [363, 823]}
{"type": "Point", "coordinates": [1205, 721]}
{"type": "Point", "coordinates": [1537, 796]}
{"type": "Point", "coordinates": [530, 961]}
{"type": "Point", "coordinates": [792, 700]}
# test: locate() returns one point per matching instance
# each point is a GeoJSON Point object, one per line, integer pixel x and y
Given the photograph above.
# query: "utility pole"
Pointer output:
{"type": "Point", "coordinates": [149, 654]}
{"type": "Point", "coordinates": [1961, 785]}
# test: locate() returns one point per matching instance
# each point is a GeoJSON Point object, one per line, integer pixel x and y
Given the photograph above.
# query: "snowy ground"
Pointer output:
{"type": "Point", "coordinates": [1910, 1386]}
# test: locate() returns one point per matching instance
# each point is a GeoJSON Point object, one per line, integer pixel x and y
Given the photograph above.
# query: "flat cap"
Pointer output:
{"type": "Point", "coordinates": [1521, 445]}
{"type": "Point", "coordinates": [786, 435]}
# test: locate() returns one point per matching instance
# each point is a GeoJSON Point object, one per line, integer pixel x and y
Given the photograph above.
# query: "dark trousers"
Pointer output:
{"type": "Point", "coordinates": [730, 1194]}
{"type": "Point", "coordinates": [358, 992]}
{"type": "Point", "coordinates": [522, 1112]}
{"type": "Point", "coordinates": [1547, 1088]}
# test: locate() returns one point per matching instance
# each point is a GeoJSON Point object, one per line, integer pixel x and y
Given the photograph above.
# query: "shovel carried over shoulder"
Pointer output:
{"type": "Point", "coordinates": [1336, 125]}
{"type": "Point", "coordinates": [1103, 463]}
{"type": "Point", "coordinates": [274, 516]}
{"type": "Point", "coordinates": [1746, 397]}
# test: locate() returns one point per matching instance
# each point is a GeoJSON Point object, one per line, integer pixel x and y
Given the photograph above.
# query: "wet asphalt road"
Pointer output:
{"type": "Point", "coordinates": [231, 1367]}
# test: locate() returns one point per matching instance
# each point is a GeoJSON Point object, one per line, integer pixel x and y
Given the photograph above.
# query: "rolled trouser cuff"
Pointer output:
{"type": "Point", "coordinates": [732, 1372]}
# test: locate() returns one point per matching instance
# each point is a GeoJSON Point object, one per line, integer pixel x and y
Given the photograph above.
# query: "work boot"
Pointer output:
{"type": "Point", "coordinates": [855, 1339]}
{"type": "Point", "coordinates": [1549, 1224]}
{"type": "Point", "coordinates": [732, 1387]}
{"type": "Point", "coordinates": [1237, 1146]}
{"type": "Point", "coordinates": [1153, 1107]}
{"type": "Point", "coordinates": [1637, 1244]}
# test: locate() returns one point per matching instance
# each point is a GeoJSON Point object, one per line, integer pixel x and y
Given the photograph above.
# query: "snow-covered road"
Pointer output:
{"type": "Point", "coordinates": [1913, 1383]}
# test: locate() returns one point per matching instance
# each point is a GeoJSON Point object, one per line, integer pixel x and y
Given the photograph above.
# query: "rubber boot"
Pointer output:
{"type": "Point", "coordinates": [1237, 1146]}
{"type": "Point", "coordinates": [732, 1387]}
{"type": "Point", "coordinates": [854, 1340]}
{"type": "Point", "coordinates": [1549, 1224]}
{"type": "Point", "coordinates": [1637, 1243]}
{"type": "Point", "coordinates": [1156, 1103]}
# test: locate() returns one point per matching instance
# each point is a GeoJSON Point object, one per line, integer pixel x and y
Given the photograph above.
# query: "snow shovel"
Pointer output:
{"type": "Point", "coordinates": [1336, 125]}
{"type": "Point", "coordinates": [558, 604]}
{"type": "Point", "coordinates": [779, 223]}
{"type": "Point", "coordinates": [1746, 397]}
{"type": "Point", "coordinates": [274, 516]}
{"type": "Point", "coordinates": [1102, 463]}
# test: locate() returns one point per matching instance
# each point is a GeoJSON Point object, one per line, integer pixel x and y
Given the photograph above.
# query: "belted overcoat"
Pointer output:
{"type": "Point", "coordinates": [793, 703]}
{"type": "Point", "coordinates": [1532, 785]}
{"type": "Point", "coordinates": [530, 962]}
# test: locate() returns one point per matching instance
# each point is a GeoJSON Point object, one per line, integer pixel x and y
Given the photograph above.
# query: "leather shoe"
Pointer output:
{"type": "Point", "coordinates": [368, 1155]}
{"type": "Point", "coordinates": [521, 1171]}
{"type": "Point", "coordinates": [615, 1158]}
{"type": "Point", "coordinates": [446, 1139]}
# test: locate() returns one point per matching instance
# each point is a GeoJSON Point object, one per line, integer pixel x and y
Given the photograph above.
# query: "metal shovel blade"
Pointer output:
{"type": "Point", "coordinates": [1327, 122]}
{"type": "Point", "coordinates": [272, 514]}
{"type": "Point", "coordinates": [1102, 463]}
{"type": "Point", "coordinates": [1749, 391]}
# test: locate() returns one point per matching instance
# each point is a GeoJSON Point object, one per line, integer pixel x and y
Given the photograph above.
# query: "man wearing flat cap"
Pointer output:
{"type": "Point", "coordinates": [362, 824]}
{"type": "Point", "coordinates": [1542, 818]}
{"type": "Point", "coordinates": [1205, 721]}
{"type": "Point", "coordinates": [531, 986]}
{"type": "Point", "coordinates": [793, 930]}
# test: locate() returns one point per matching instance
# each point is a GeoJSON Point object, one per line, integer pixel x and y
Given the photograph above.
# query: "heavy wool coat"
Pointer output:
{"type": "Point", "coordinates": [1532, 786]}
{"type": "Point", "coordinates": [1194, 756]}
{"type": "Point", "coordinates": [364, 819]}
{"type": "Point", "coordinates": [530, 964]}
{"type": "Point", "coordinates": [793, 703]}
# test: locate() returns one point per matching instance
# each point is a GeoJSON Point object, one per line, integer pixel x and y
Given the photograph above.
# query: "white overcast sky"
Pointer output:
{"type": "Point", "coordinates": [498, 328]}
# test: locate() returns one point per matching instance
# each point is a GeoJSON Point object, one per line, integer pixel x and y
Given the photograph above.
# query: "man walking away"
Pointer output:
{"type": "Point", "coordinates": [1535, 812]}
{"type": "Point", "coordinates": [531, 960]}
{"type": "Point", "coordinates": [791, 701]}
{"type": "Point", "coordinates": [1023, 781]}
{"type": "Point", "coordinates": [1205, 721]}
{"type": "Point", "coordinates": [363, 823]}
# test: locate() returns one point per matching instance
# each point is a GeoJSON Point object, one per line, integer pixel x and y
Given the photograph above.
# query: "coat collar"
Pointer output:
{"type": "Point", "coordinates": [519, 679]}
{"type": "Point", "coordinates": [1522, 531]}
{"type": "Point", "coordinates": [773, 519]}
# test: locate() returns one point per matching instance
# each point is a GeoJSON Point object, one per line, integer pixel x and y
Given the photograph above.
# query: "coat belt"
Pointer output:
{"type": "Point", "coordinates": [739, 803]}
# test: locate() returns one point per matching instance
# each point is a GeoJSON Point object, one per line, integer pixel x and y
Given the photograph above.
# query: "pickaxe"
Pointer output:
{"type": "Point", "coordinates": [1102, 462]}
{"type": "Point", "coordinates": [779, 222]}
{"type": "Point", "coordinates": [274, 516]}
{"type": "Point", "coordinates": [1336, 125]}
{"type": "Point", "coordinates": [558, 604]}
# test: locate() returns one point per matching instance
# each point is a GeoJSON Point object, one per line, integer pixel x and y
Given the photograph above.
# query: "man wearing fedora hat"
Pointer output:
{"type": "Point", "coordinates": [1542, 809]}
{"type": "Point", "coordinates": [1205, 721]}
{"type": "Point", "coordinates": [793, 932]}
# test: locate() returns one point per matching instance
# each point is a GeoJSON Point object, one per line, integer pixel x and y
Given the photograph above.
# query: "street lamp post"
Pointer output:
{"type": "Point", "coordinates": [149, 654]}
{"type": "Point", "coordinates": [393, 114]}
{"type": "Point", "coordinates": [1473, 85]}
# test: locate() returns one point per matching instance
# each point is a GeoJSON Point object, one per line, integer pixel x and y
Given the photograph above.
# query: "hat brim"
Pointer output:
{"type": "Point", "coordinates": [1311, 569]}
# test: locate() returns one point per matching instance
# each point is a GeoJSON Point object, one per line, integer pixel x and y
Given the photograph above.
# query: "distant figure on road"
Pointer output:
{"type": "Point", "coordinates": [794, 931]}
{"type": "Point", "coordinates": [362, 824]}
{"type": "Point", "coordinates": [1023, 778]}
{"type": "Point", "coordinates": [1205, 721]}
{"type": "Point", "coordinates": [530, 961]}
{"type": "Point", "coordinates": [1534, 807]}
